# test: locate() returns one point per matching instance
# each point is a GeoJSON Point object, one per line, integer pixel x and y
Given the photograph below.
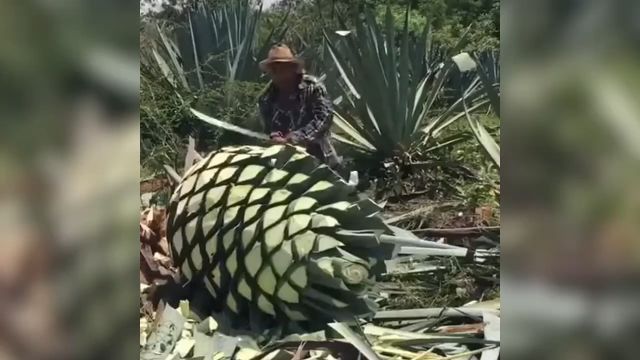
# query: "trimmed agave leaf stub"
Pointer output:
{"type": "Point", "coordinates": [464, 62]}
{"type": "Point", "coordinates": [254, 223]}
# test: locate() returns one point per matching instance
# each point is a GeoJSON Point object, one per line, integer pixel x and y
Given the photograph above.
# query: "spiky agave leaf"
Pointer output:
{"type": "Point", "coordinates": [211, 43]}
{"type": "Point", "coordinates": [270, 229]}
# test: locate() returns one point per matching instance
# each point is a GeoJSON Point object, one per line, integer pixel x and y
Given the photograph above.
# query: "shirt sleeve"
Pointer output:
{"type": "Point", "coordinates": [263, 108]}
{"type": "Point", "coordinates": [322, 115]}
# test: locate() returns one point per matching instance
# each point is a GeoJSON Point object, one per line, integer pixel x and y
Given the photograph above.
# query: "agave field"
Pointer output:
{"type": "Point", "coordinates": [250, 250]}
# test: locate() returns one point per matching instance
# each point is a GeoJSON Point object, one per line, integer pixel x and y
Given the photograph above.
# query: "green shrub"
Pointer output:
{"type": "Point", "coordinates": [162, 126]}
{"type": "Point", "coordinates": [234, 102]}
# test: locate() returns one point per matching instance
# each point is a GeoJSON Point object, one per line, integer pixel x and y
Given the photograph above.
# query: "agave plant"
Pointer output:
{"type": "Point", "coordinates": [268, 228]}
{"type": "Point", "coordinates": [488, 79]}
{"type": "Point", "coordinates": [271, 231]}
{"type": "Point", "coordinates": [390, 92]}
{"type": "Point", "coordinates": [212, 44]}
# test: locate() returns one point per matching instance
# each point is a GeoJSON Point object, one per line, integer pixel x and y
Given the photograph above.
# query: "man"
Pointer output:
{"type": "Point", "coordinates": [295, 108]}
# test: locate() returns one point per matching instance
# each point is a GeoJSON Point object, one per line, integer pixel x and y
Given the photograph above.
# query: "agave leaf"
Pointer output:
{"type": "Point", "coordinates": [166, 71]}
{"type": "Point", "coordinates": [344, 140]}
{"type": "Point", "coordinates": [403, 101]}
{"type": "Point", "coordinates": [413, 250]}
{"type": "Point", "coordinates": [428, 50]}
{"type": "Point", "coordinates": [393, 94]}
{"type": "Point", "coordinates": [389, 102]}
{"type": "Point", "coordinates": [451, 140]}
{"type": "Point", "coordinates": [233, 70]}
{"type": "Point", "coordinates": [375, 103]}
{"type": "Point", "coordinates": [418, 99]}
{"type": "Point", "coordinates": [391, 65]}
{"type": "Point", "coordinates": [435, 126]}
{"type": "Point", "coordinates": [342, 71]}
{"type": "Point", "coordinates": [483, 136]}
{"type": "Point", "coordinates": [414, 241]}
{"type": "Point", "coordinates": [172, 173]}
{"type": "Point", "coordinates": [452, 119]}
{"type": "Point", "coordinates": [171, 50]}
{"type": "Point", "coordinates": [195, 52]}
{"type": "Point", "coordinates": [462, 41]}
{"type": "Point", "coordinates": [491, 333]}
{"type": "Point", "coordinates": [440, 77]}
{"type": "Point", "coordinates": [228, 126]}
{"type": "Point", "coordinates": [219, 41]}
{"type": "Point", "coordinates": [355, 339]}
{"type": "Point", "coordinates": [191, 155]}
{"type": "Point", "coordinates": [489, 88]}
{"type": "Point", "coordinates": [464, 311]}
{"type": "Point", "coordinates": [379, 41]}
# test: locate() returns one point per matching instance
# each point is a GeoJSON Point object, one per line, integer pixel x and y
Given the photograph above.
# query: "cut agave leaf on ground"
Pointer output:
{"type": "Point", "coordinates": [461, 329]}
{"type": "Point", "coordinates": [422, 210]}
{"type": "Point", "coordinates": [490, 305]}
{"type": "Point", "coordinates": [356, 340]}
{"type": "Point", "coordinates": [225, 345]}
{"type": "Point", "coordinates": [164, 338]}
{"type": "Point", "coordinates": [208, 326]}
{"type": "Point", "coordinates": [419, 325]}
{"type": "Point", "coordinates": [394, 268]}
{"type": "Point", "coordinates": [277, 355]}
{"type": "Point", "coordinates": [204, 346]}
{"type": "Point", "coordinates": [469, 354]}
{"type": "Point", "coordinates": [185, 346]}
{"type": "Point", "coordinates": [414, 241]}
{"type": "Point", "coordinates": [246, 354]}
{"type": "Point", "coordinates": [436, 341]}
{"type": "Point", "coordinates": [394, 352]}
{"type": "Point", "coordinates": [430, 313]}
{"type": "Point", "coordinates": [314, 336]}
{"type": "Point", "coordinates": [398, 231]}
{"type": "Point", "coordinates": [412, 250]}
{"type": "Point", "coordinates": [379, 331]}
{"type": "Point", "coordinates": [491, 333]}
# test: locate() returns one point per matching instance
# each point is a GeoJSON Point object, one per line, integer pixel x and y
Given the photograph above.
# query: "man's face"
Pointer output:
{"type": "Point", "coordinates": [283, 73]}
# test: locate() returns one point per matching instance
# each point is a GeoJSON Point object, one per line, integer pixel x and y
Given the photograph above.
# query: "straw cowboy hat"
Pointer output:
{"type": "Point", "coordinates": [281, 54]}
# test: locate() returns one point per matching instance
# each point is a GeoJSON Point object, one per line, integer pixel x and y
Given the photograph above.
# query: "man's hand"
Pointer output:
{"type": "Point", "coordinates": [291, 138]}
{"type": "Point", "coordinates": [278, 138]}
{"type": "Point", "coordinates": [294, 138]}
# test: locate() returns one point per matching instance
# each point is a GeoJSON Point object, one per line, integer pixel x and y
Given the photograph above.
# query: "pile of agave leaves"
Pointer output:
{"type": "Point", "coordinates": [470, 331]}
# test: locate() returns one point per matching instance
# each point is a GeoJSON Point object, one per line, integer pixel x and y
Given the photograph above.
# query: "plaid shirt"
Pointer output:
{"type": "Point", "coordinates": [307, 118]}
